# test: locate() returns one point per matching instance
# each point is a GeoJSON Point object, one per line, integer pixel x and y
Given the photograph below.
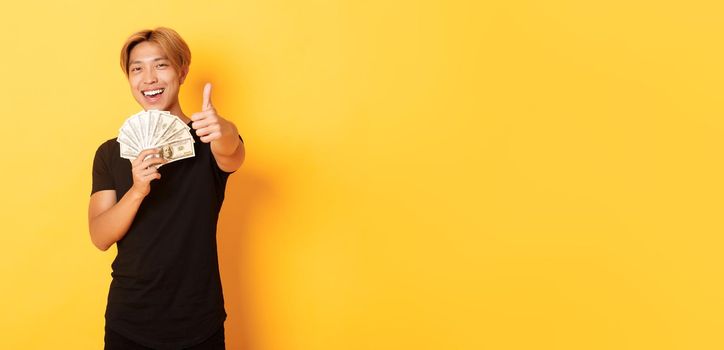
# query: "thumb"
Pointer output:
{"type": "Point", "coordinates": [207, 98]}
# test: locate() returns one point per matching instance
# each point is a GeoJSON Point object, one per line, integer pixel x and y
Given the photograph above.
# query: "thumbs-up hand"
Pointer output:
{"type": "Point", "coordinates": [208, 124]}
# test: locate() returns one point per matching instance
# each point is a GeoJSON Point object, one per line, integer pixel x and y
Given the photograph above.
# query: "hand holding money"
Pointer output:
{"type": "Point", "coordinates": [208, 124]}
{"type": "Point", "coordinates": [145, 169]}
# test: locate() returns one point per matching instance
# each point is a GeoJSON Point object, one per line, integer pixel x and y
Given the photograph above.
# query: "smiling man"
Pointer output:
{"type": "Point", "coordinates": [166, 290]}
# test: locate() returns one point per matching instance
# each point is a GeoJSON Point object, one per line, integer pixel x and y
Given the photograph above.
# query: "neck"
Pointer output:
{"type": "Point", "coordinates": [175, 109]}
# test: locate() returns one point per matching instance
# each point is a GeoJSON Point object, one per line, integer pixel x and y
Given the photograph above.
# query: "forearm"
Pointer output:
{"type": "Point", "coordinates": [228, 144]}
{"type": "Point", "coordinates": [110, 226]}
{"type": "Point", "coordinates": [229, 151]}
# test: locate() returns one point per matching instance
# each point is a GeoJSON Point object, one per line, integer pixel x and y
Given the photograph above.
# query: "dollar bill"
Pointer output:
{"type": "Point", "coordinates": [178, 150]}
{"type": "Point", "coordinates": [152, 121]}
{"type": "Point", "coordinates": [164, 121]}
{"type": "Point", "coordinates": [155, 129]}
{"type": "Point", "coordinates": [176, 129]}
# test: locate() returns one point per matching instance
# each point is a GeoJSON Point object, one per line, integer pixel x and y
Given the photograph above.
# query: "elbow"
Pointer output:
{"type": "Point", "coordinates": [238, 158]}
{"type": "Point", "coordinates": [100, 245]}
{"type": "Point", "coordinates": [231, 164]}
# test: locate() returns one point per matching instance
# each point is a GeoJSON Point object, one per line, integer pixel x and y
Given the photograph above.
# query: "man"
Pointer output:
{"type": "Point", "coordinates": [166, 290]}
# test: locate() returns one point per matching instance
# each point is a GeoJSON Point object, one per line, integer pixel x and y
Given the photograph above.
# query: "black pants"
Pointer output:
{"type": "Point", "coordinates": [115, 341]}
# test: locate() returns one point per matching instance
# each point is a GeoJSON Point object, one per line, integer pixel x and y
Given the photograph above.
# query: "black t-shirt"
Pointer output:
{"type": "Point", "coordinates": [166, 290]}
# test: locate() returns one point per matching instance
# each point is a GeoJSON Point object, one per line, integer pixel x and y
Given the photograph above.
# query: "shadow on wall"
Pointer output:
{"type": "Point", "coordinates": [245, 193]}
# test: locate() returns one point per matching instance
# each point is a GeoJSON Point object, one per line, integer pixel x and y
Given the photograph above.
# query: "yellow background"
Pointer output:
{"type": "Point", "coordinates": [419, 174]}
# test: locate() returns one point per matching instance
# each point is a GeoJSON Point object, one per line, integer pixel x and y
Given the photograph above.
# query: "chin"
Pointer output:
{"type": "Point", "coordinates": [157, 106]}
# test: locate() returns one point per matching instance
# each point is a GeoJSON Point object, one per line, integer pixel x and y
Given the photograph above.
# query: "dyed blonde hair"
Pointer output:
{"type": "Point", "coordinates": [171, 43]}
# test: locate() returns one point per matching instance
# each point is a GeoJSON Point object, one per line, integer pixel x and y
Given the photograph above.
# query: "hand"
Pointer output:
{"type": "Point", "coordinates": [144, 170]}
{"type": "Point", "coordinates": [209, 125]}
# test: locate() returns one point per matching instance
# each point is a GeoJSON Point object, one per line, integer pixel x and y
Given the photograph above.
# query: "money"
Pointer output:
{"type": "Point", "coordinates": [156, 129]}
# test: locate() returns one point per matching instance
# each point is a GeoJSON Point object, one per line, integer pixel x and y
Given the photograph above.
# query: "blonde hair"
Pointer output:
{"type": "Point", "coordinates": [170, 42]}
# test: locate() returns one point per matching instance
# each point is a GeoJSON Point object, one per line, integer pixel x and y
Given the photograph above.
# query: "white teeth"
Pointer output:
{"type": "Point", "coordinates": [153, 92]}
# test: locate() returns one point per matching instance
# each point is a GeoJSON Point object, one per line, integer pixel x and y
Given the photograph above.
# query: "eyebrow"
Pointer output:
{"type": "Point", "coordinates": [154, 60]}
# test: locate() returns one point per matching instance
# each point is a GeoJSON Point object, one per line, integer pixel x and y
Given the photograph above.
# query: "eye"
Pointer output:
{"type": "Point", "coordinates": [135, 69]}
{"type": "Point", "coordinates": [162, 65]}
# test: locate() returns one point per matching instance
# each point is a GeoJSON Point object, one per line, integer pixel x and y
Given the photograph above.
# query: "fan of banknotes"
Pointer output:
{"type": "Point", "coordinates": [156, 129]}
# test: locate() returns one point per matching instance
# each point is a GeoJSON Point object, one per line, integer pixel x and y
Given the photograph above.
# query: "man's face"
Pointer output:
{"type": "Point", "coordinates": [167, 152]}
{"type": "Point", "coordinates": [154, 82]}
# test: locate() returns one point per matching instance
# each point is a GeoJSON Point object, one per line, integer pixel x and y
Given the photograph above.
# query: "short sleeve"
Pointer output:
{"type": "Point", "coordinates": [102, 176]}
{"type": "Point", "coordinates": [224, 172]}
{"type": "Point", "coordinates": [215, 165]}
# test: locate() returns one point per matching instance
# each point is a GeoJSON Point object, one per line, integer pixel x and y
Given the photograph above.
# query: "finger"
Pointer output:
{"type": "Point", "coordinates": [202, 122]}
{"type": "Point", "coordinates": [202, 115]}
{"type": "Point", "coordinates": [149, 163]}
{"type": "Point", "coordinates": [155, 155]}
{"type": "Point", "coordinates": [151, 176]}
{"type": "Point", "coordinates": [144, 154]}
{"type": "Point", "coordinates": [150, 171]}
{"type": "Point", "coordinates": [207, 130]}
{"type": "Point", "coordinates": [210, 137]}
{"type": "Point", "coordinates": [152, 161]}
{"type": "Point", "coordinates": [207, 98]}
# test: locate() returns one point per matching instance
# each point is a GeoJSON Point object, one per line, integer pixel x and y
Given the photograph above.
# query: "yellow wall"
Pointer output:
{"type": "Point", "coordinates": [419, 175]}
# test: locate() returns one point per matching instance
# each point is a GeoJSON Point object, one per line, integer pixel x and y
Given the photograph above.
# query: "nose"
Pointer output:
{"type": "Point", "coordinates": [149, 76]}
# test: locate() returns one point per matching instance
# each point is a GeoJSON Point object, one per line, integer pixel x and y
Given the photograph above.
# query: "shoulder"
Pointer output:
{"type": "Point", "coordinates": [107, 145]}
{"type": "Point", "coordinates": [107, 149]}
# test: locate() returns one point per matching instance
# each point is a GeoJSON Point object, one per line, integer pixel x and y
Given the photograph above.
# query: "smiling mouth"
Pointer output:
{"type": "Point", "coordinates": [153, 93]}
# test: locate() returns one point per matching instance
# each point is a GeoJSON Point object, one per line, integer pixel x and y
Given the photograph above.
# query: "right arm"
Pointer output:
{"type": "Point", "coordinates": [108, 219]}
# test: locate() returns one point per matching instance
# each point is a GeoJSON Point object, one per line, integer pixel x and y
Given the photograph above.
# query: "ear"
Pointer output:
{"type": "Point", "coordinates": [183, 76]}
